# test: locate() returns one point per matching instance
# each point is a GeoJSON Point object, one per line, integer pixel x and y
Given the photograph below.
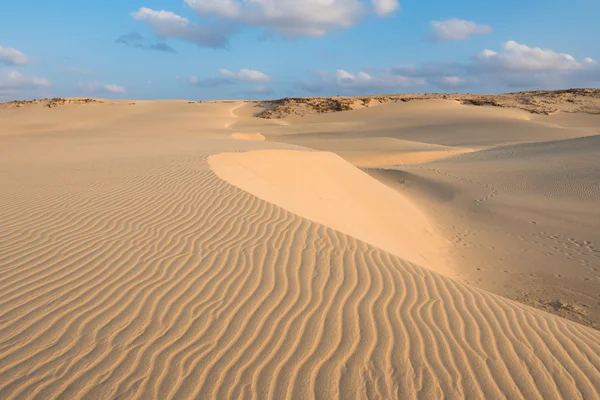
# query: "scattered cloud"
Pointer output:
{"type": "Point", "coordinates": [15, 84]}
{"type": "Point", "coordinates": [458, 29]}
{"type": "Point", "coordinates": [97, 87]}
{"type": "Point", "coordinates": [14, 80]}
{"type": "Point", "coordinates": [229, 78]}
{"type": "Point", "coordinates": [114, 89]}
{"type": "Point", "coordinates": [384, 7]}
{"type": "Point", "coordinates": [447, 75]}
{"type": "Point", "coordinates": [452, 82]}
{"type": "Point", "coordinates": [10, 56]}
{"type": "Point", "coordinates": [346, 82]}
{"type": "Point", "coordinates": [288, 18]}
{"type": "Point", "coordinates": [138, 41]}
{"type": "Point", "coordinates": [167, 24]}
{"type": "Point", "coordinates": [514, 66]}
{"type": "Point", "coordinates": [246, 75]}
{"type": "Point", "coordinates": [427, 70]}
{"type": "Point", "coordinates": [517, 65]}
{"type": "Point", "coordinates": [520, 58]}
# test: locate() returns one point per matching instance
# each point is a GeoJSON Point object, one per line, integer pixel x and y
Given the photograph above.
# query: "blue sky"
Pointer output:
{"type": "Point", "coordinates": [215, 49]}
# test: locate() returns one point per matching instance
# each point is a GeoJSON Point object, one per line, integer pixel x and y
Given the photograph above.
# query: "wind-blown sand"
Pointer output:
{"type": "Point", "coordinates": [145, 252]}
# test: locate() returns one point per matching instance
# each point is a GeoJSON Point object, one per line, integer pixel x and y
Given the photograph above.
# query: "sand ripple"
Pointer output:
{"type": "Point", "coordinates": [168, 282]}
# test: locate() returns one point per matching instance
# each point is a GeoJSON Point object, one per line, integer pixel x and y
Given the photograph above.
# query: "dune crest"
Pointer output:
{"type": "Point", "coordinates": [324, 188]}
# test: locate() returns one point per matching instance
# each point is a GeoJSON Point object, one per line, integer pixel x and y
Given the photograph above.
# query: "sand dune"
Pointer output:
{"type": "Point", "coordinates": [325, 189]}
{"type": "Point", "coordinates": [138, 261]}
{"type": "Point", "coordinates": [437, 122]}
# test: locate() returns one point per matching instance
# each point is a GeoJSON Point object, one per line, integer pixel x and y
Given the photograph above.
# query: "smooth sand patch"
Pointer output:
{"type": "Point", "coordinates": [378, 151]}
{"type": "Point", "coordinates": [248, 136]}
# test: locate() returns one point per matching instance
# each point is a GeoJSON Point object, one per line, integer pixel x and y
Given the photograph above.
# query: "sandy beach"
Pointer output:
{"type": "Point", "coordinates": [427, 248]}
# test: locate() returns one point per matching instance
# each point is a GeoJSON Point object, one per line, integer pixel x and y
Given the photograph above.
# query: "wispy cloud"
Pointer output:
{"type": "Point", "coordinates": [10, 56]}
{"type": "Point", "coordinates": [98, 88]}
{"type": "Point", "coordinates": [458, 29]}
{"type": "Point", "coordinates": [346, 82]}
{"type": "Point", "coordinates": [246, 75]}
{"type": "Point", "coordinates": [514, 66]}
{"type": "Point", "coordinates": [229, 78]}
{"type": "Point", "coordinates": [209, 83]}
{"type": "Point", "coordinates": [13, 82]}
{"type": "Point", "coordinates": [138, 41]}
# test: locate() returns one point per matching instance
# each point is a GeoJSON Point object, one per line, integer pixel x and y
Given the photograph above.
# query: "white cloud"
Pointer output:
{"type": "Point", "coordinates": [226, 8]}
{"type": "Point", "coordinates": [515, 66]}
{"type": "Point", "coordinates": [167, 24]}
{"type": "Point", "coordinates": [447, 75]}
{"type": "Point", "coordinates": [14, 81]}
{"type": "Point", "coordinates": [97, 87]}
{"type": "Point", "coordinates": [290, 18]}
{"type": "Point", "coordinates": [487, 54]}
{"type": "Point", "coordinates": [458, 29]}
{"type": "Point", "coordinates": [520, 58]}
{"type": "Point", "coordinates": [114, 89]}
{"type": "Point", "coordinates": [361, 82]}
{"type": "Point", "coordinates": [384, 7]}
{"type": "Point", "coordinates": [520, 66]}
{"type": "Point", "coordinates": [246, 75]}
{"type": "Point", "coordinates": [381, 80]}
{"type": "Point", "coordinates": [453, 81]}
{"type": "Point", "coordinates": [229, 78]}
{"type": "Point", "coordinates": [10, 56]}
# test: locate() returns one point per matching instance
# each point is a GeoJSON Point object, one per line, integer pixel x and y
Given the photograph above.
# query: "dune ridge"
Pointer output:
{"type": "Point", "coordinates": [325, 189]}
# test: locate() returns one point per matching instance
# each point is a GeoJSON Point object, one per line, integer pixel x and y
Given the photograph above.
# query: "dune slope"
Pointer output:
{"type": "Point", "coordinates": [325, 189]}
{"type": "Point", "coordinates": [514, 194]}
{"type": "Point", "coordinates": [138, 273]}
